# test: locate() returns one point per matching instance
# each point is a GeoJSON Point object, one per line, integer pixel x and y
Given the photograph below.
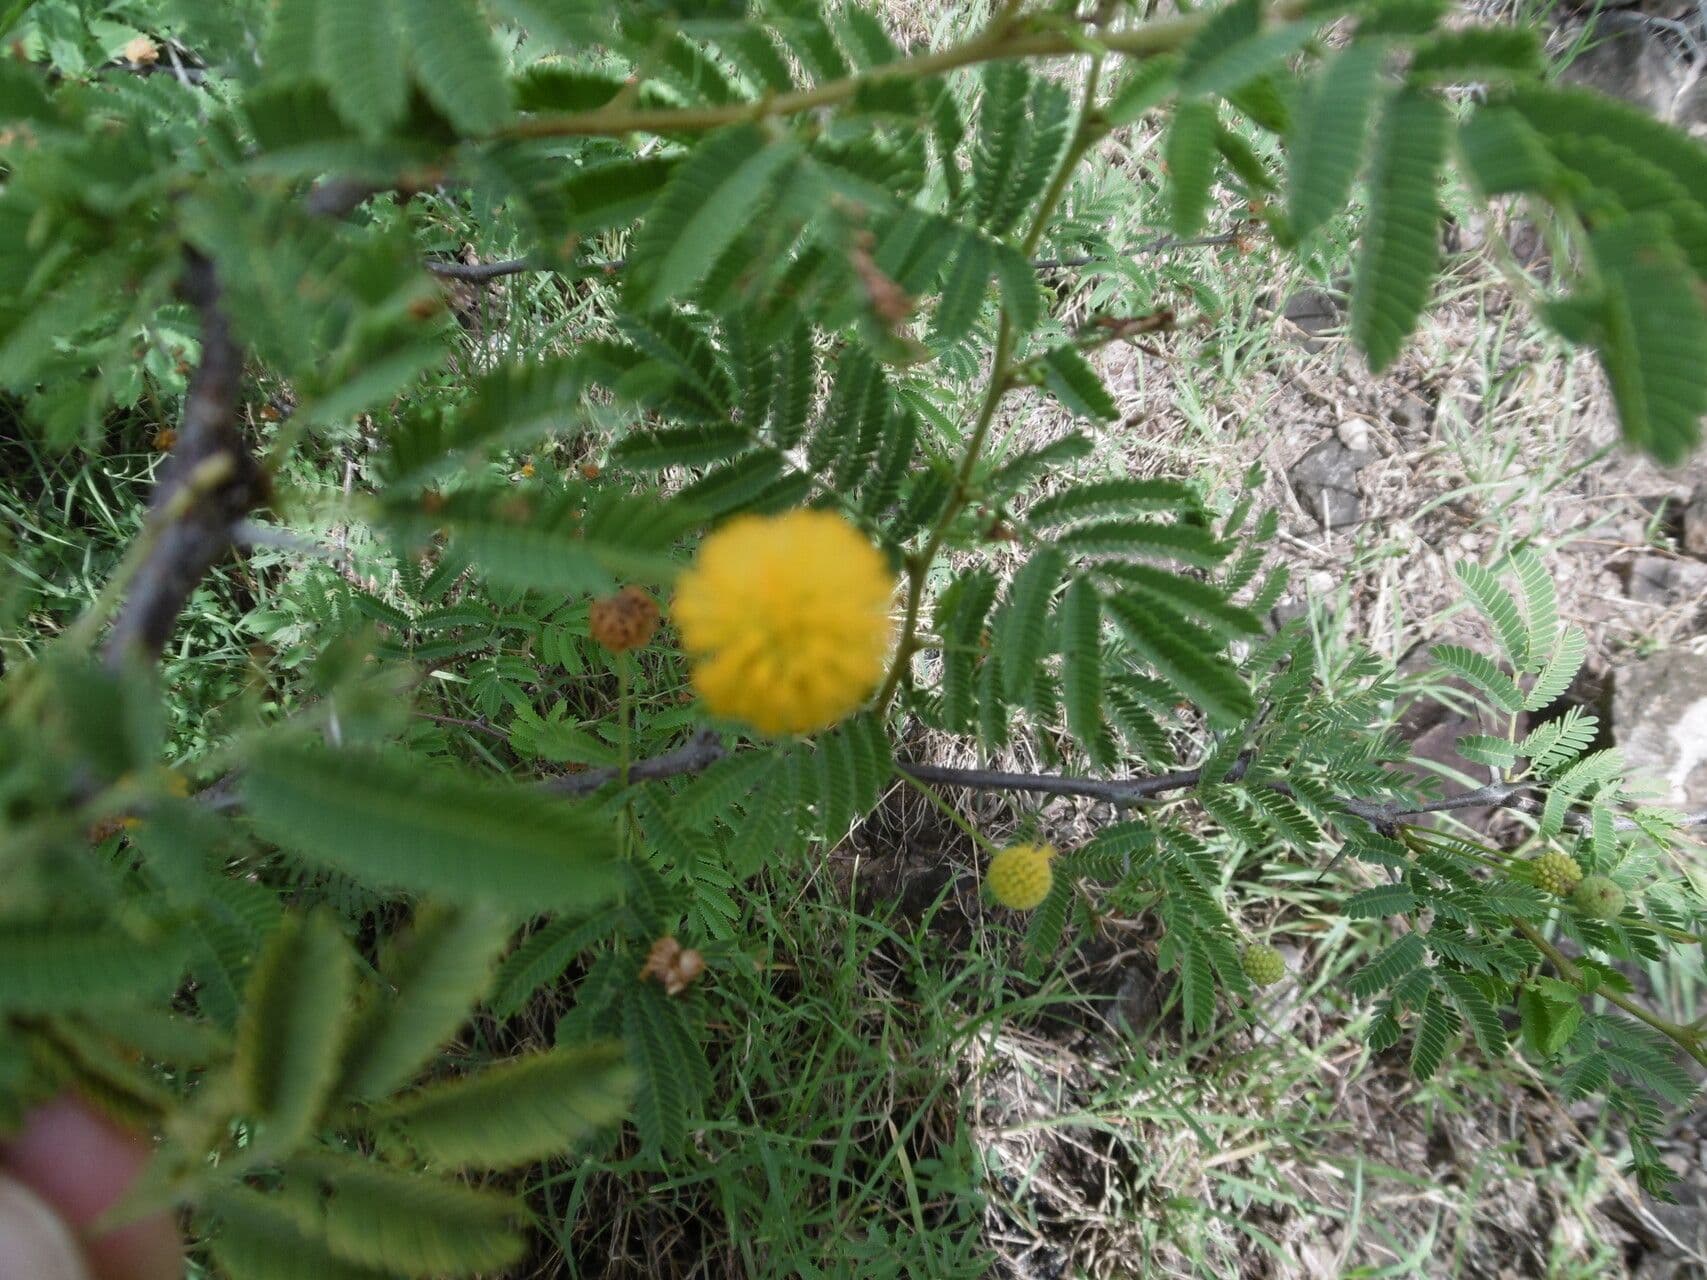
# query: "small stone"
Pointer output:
{"type": "Point", "coordinates": [1695, 522]}
{"type": "Point", "coordinates": [1313, 312]}
{"type": "Point", "coordinates": [1355, 434]}
{"type": "Point", "coordinates": [1665, 580]}
{"type": "Point", "coordinates": [1325, 480]}
{"type": "Point", "coordinates": [1321, 583]}
{"type": "Point", "coordinates": [1659, 720]}
{"type": "Point", "coordinates": [1624, 55]}
{"type": "Point", "coordinates": [1411, 415]}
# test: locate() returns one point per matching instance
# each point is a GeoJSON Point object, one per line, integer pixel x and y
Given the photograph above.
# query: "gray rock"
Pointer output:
{"type": "Point", "coordinates": [1314, 312]}
{"type": "Point", "coordinates": [1695, 522]}
{"type": "Point", "coordinates": [1355, 434]}
{"type": "Point", "coordinates": [1666, 580]}
{"type": "Point", "coordinates": [1624, 55]}
{"type": "Point", "coordinates": [1325, 480]}
{"type": "Point", "coordinates": [1659, 719]}
{"type": "Point", "coordinates": [1411, 415]}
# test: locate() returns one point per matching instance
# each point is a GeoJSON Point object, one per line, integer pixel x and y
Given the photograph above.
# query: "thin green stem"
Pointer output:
{"type": "Point", "coordinates": [625, 750]}
{"type": "Point", "coordinates": [919, 565]}
{"type": "Point", "coordinates": [948, 811]}
{"type": "Point", "coordinates": [1005, 41]}
{"type": "Point", "coordinates": [1685, 1037]}
{"type": "Point", "coordinates": [1418, 838]}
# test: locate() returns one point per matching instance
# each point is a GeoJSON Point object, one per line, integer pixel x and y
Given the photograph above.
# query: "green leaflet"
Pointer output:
{"type": "Point", "coordinates": [791, 399]}
{"type": "Point", "coordinates": [670, 1071]}
{"type": "Point", "coordinates": [1477, 53]}
{"type": "Point", "coordinates": [1540, 600]}
{"type": "Point", "coordinates": [666, 447]}
{"type": "Point", "coordinates": [1559, 671]}
{"type": "Point", "coordinates": [1498, 608]}
{"type": "Point", "coordinates": [1328, 135]}
{"type": "Point", "coordinates": [1382, 900]}
{"type": "Point", "coordinates": [1191, 163]}
{"type": "Point", "coordinates": [292, 1031]}
{"type": "Point", "coordinates": [1572, 114]}
{"type": "Point", "coordinates": [1596, 769]}
{"type": "Point", "coordinates": [713, 195]}
{"type": "Point", "coordinates": [1076, 385]}
{"type": "Point", "coordinates": [261, 1237]}
{"type": "Point", "coordinates": [50, 968]}
{"type": "Point", "coordinates": [1021, 625]}
{"type": "Point", "coordinates": [1652, 329]}
{"type": "Point", "coordinates": [1145, 539]}
{"type": "Point", "coordinates": [963, 289]}
{"type": "Point", "coordinates": [288, 50]}
{"type": "Point", "coordinates": [1100, 498]}
{"type": "Point", "coordinates": [1188, 596]}
{"type": "Point", "coordinates": [614, 194]}
{"type": "Point", "coordinates": [1001, 139]}
{"type": "Point", "coordinates": [1478, 1011]}
{"type": "Point", "coordinates": [431, 977]}
{"type": "Point", "coordinates": [1044, 135]}
{"type": "Point", "coordinates": [1400, 958]}
{"type": "Point", "coordinates": [1401, 235]}
{"type": "Point", "coordinates": [457, 62]}
{"type": "Point", "coordinates": [1233, 65]}
{"type": "Point", "coordinates": [407, 1223]}
{"type": "Point", "coordinates": [1148, 84]}
{"type": "Point", "coordinates": [1021, 291]}
{"type": "Point", "coordinates": [960, 617]}
{"type": "Point", "coordinates": [359, 52]}
{"type": "Point", "coordinates": [1481, 672]}
{"type": "Point", "coordinates": [1438, 1025]}
{"type": "Point", "coordinates": [1207, 678]}
{"type": "Point", "coordinates": [1549, 1013]}
{"type": "Point", "coordinates": [1502, 153]}
{"type": "Point", "coordinates": [514, 1112]}
{"type": "Point", "coordinates": [1079, 624]}
{"type": "Point", "coordinates": [377, 816]}
{"type": "Point", "coordinates": [1228, 29]}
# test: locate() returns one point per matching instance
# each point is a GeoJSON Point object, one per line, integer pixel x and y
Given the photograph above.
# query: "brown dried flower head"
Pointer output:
{"type": "Point", "coordinates": [625, 621]}
{"type": "Point", "coordinates": [141, 51]}
{"type": "Point", "coordinates": [672, 966]}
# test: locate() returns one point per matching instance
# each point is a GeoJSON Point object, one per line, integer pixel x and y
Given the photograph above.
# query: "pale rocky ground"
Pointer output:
{"type": "Point", "coordinates": [1484, 435]}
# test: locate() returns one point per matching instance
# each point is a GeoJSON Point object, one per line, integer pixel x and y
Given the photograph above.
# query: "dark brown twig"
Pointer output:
{"type": "Point", "coordinates": [698, 753]}
{"type": "Point", "coordinates": [208, 482]}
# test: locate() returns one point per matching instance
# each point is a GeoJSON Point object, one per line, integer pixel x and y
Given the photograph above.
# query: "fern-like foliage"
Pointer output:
{"type": "Point", "coordinates": [797, 269]}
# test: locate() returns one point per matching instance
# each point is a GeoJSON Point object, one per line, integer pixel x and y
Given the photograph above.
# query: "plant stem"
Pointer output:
{"type": "Point", "coordinates": [1001, 43]}
{"type": "Point", "coordinates": [949, 812]}
{"type": "Point", "coordinates": [918, 566]}
{"type": "Point", "coordinates": [624, 747]}
{"type": "Point", "coordinates": [1686, 1039]}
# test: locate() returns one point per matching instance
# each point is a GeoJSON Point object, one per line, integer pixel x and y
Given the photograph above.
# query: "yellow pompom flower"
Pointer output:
{"type": "Point", "coordinates": [1020, 877]}
{"type": "Point", "coordinates": [785, 620]}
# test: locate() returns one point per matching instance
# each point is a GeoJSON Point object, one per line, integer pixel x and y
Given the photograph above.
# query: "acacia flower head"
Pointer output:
{"type": "Point", "coordinates": [785, 620]}
{"type": "Point", "coordinates": [1019, 876]}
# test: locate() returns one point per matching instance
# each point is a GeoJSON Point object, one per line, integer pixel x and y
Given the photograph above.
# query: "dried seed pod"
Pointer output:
{"type": "Point", "coordinates": [625, 621]}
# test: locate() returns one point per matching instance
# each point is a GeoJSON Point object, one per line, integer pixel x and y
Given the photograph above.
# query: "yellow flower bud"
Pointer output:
{"type": "Point", "coordinates": [1019, 877]}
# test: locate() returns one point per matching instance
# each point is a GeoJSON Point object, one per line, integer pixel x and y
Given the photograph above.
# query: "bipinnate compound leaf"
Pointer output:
{"type": "Point", "coordinates": [401, 824]}
{"type": "Point", "coordinates": [512, 1113]}
{"type": "Point", "coordinates": [431, 975]}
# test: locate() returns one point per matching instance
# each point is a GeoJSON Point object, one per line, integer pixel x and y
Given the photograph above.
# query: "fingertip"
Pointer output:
{"type": "Point", "coordinates": [80, 1163]}
{"type": "Point", "coordinates": [35, 1243]}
